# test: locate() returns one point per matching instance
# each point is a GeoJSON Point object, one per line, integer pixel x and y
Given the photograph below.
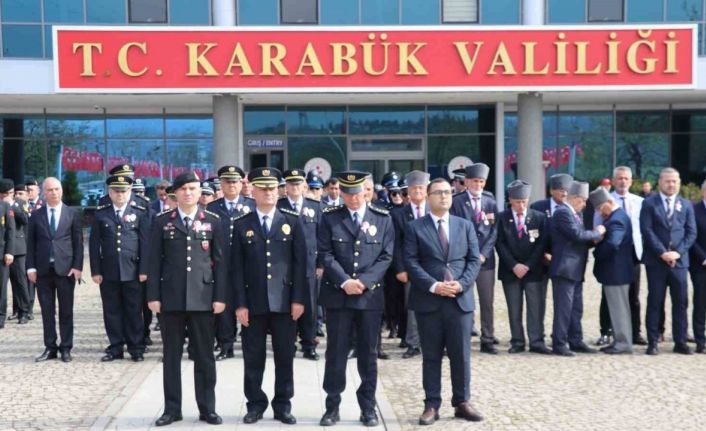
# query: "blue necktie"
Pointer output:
{"type": "Point", "coordinates": [52, 222]}
{"type": "Point", "coordinates": [231, 210]}
{"type": "Point", "coordinates": [265, 228]}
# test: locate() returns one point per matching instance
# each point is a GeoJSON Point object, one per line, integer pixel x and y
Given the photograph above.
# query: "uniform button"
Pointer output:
{"type": "Point", "coordinates": [355, 264]}
{"type": "Point", "coordinates": [340, 239]}
{"type": "Point", "coordinates": [119, 227]}
{"type": "Point", "coordinates": [188, 238]}
{"type": "Point", "coordinates": [188, 258]}
{"type": "Point", "coordinates": [353, 274]}
{"type": "Point", "coordinates": [268, 253]}
{"type": "Point", "coordinates": [188, 268]}
{"type": "Point", "coordinates": [357, 242]}
{"type": "Point", "coordinates": [118, 248]}
{"type": "Point", "coordinates": [268, 241]}
{"type": "Point", "coordinates": [188, 248]}
{"type": "Point", "coordinates": [118, 241]}
{"type": "Point", "coordinates": [356, 253]}
{"type": "Point", "coordinates": [269, 276]}
{"type": "Point", "coordinates": [269, 265]}
{"type": "Point", "coordinates": [118, 233]}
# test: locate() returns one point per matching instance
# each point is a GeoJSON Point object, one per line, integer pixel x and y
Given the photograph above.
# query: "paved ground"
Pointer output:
{"type": "Point", "coordinates": [515, 392]}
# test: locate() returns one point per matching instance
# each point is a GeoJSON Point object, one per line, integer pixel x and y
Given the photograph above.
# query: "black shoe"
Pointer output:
{"type": "Point", "coordinates": [488, 348]}
{"type": "Point", "coordinates": [403, 345]}
{"type": "Point", "coordinates": [382, 355]}
{"type": "Point", "coordinates": [148, 341]}
{"type": "Point", "coordinates": [582, 348]}
{"type": "Point", "coordinates": [211, 418]}
{"type": "Point", "coordinates": [392, 334]}
{"type": "Point", "coordinates": [167, 419]}
{"type": "Point", "coordinates": [139, 357]}
{"type": "Point", "coordinates": [683, 348]}
{"type": "Point", "coordinates": [564, 352]}
{"type": "Point", "coordinates": [603, 340]}
{"type": "Point", "coordinates": [652, 349]}
{"type": "Point", "coordinates": [13, 317]}
{"type": "Point", "coordinates": [47, 355]}
{"type": "Point", "coordinates": [369, 419]}
{"type": "Point", "coordinates": [329, 418]}
{"type": "Point", "coordinates": [411, 352]}
{"type": "Point", "coordinates": [496, 341]}
{"type": "Point", "coordinates": [285, 418]}
{"type": "Point", "coordinates": [66, 356]}
{"type": "Point", "coordinates": [225, 354]}
{"type": "Point", "coordinates": [474, 333]}
{"type": "Point", "coordinates": [30, 316]}
{"type": "Point", "coordinates": [110, 357]}
{"type": "Point", "coordinates": [217, 347]}
{"type": "Point", "coordinates": [310, 354]}
{"type": "Point", "coordinates": [543, 350]}
{"type": "Point", "coordinates": [690, 339]}
{"type": "Point", "coordinates": [252, 417]}
{"type": "Point", "coordinates": [700, 348]}
{"type": "Point", "coordinates": [516, 349]}
{"type": "Point", "coordinates": [611, 350]}
{"type": "Point", "coordinates": [639, 340]}
{"type": "Point", "coordinates": [352, 353]}
{"type": "Point", "coordinates": [22, 320]}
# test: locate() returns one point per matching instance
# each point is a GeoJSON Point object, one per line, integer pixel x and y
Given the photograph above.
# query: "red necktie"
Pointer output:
{"type": "Point", "coordinates": [419, 212]}
{"type": "Point", "coordinates": [520, 225]}
{"type": "Point", "coordinates": [477, 209]}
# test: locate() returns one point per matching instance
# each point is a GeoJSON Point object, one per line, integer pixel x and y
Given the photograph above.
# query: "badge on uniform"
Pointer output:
{"type": "Point", "coordinates": [286, 229]}
{"type": "Point", "coordinates": [246, 209]}
{"type": "Point", "coordinates": [204, 245]}
{"type": "Point", "coordinates": [533, 234]}
{"type": "Point", "coordinates": [372, 230]}
{"type": "Point", "coordinates": [130, 217]}
{"type": "Point", "coordinates": [309, 212]}
{"type": "Point", "coordinates": [250, 234]}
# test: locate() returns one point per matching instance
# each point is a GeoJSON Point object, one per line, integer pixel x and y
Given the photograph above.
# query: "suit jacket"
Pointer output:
{"type": "Point", "coordinates": [697, 254]}
{"type": "Point", "coordinates": [20, 210]}
{"type": "Point", "coordinates": [614, 254]}
{"type": "Point", "coordinates": [545, 206]}
{"type": "Point", "coordinates": [570, 244]}
{"type": "Point", "coordinates": [484, 228]}
{"type": "Point", "coordinates": [309, 215]}
{"type": "Point", "coordinates": [401, 217]}
{"type": "Point", "coordinates": [269, 273]}
{"type": "Point", "coordinates": [349, 252]}
{"type": "Point", "coordinates": [156, 206]}
{"type": "Point", "coordinates": [660, 235]}
{"type": "Point", "coordinates": [187, 271]}
{"type": "Point", "coordinates": [67, 242]}
{"type": "Point", "coordinates": [118, 248]}
{"type": "Point", "coordinates": [634, 206]}
{"type": "Point", "coordinates": [426, 262]}
{"type": "Point", "coordinates": [528, 250]}
{"type": "Point", "coordinates": [7, 229]}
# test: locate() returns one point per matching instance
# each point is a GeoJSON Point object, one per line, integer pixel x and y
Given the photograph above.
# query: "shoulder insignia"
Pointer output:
{"type": "Point", "coordinates": [139, 207]}
{"type": "Point", "coordinates": [379, 210]}
{"type": "Point", "coordinates": [332, 209]}
{"type": "Point", "coordinates": [164, 212]}
{"type": "Point", "coordinates": [100, 207]}
{"type": "Point", "coordinates": [290, 212]}
{"type": "Point", "coordinates": [212, 213]}
{"type": "Point", "coordinates": [242, 215]}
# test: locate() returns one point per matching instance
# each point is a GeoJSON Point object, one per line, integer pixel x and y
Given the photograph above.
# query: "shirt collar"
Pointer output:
{"type": "Point", "coordinates": [57, 207]}
{"type": "Point", "coordinates": [300, 202]}
{"type": "Point", "coordinates": [436, 219]}
{"type": "Point", "coordinates": [270, 215]}
{"type": "Point", "coordinates": [121, 209]}
{"type": "Point", "coordinates": [191, 215]}
{"type": "Point", "coordinates": [360, 211]}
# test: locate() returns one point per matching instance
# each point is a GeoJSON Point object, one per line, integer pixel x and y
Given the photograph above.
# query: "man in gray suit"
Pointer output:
{"type": "Point", "coordinates": [442, 274]}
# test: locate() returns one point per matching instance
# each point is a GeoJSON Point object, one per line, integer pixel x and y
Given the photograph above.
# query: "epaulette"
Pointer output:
{"type": "Point", "coordinates": [100, 207]}
{"type": "Point", "coordinates": [379, 210]}
{"type": "Point", "coordinates": [332, 209]}
{"type": "Point", "coordinates": [312, 200]}
{"type": "Point", "coordinates": [140, 207]}
{"type": "Point", "coordinates": [239, 216]}
{"type": "Point", "coordinates": [165, 212]}
{"type": "Point", "coordinates": [212, 213]}
{"type": "Point", "coordinates": [290, 212]}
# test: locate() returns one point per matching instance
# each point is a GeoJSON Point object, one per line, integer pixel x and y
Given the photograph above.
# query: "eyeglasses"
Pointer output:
{"type": "Point", "coordinates": [441, 193]}
{"type": "Point", "coordinates": [394, 193]}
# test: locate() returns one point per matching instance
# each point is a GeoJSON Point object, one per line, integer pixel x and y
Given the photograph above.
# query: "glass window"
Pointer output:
{"type": "Point", "coordinates": [642, 122]}
{"type": "Point", "coordinates": [339, 12]}
{"type": "Point", "coordinates": [331, 148]}
{"type": "Point", "coordinates": [135, 127]}
{"type": "Point", "coordinates": [82, 161]}
{"type": "Point", "coordinates": [645, 11]}
{"type": "Point", "coordinates": [689, 157]}
{"type": "Point", "coordinates": [459, 11]}
{"type": "Point", "coordinates": [299, 11]}
{"type": "Point", "coordinates": [148, 11]}
{"type": "Point", "coordinates": [420, 12]}
{"type": "Point", "coordinates": [35, 158]}
{"type": "Point", "coordinates": [585, 122]}
{"type": "Point", "coordinates": [585, 156]}
{"type": "Point", "coordinates": [59, 128]}
{"type": "Point", "coordinates": [441, 149]}
{"type": "Point", "coordinates": [21, 11]}
{"type": "Point", "coordinates": [380, 11]}
{"type": "Point", "coordinates": [48, 39]}
{"type": "Point", "coordinates": [605, 10]}
{"type": "Point", "coordinates": [459, 119]}
{"type": "Point", "coordinates": [257, 12]}
{"type": "Point", "coordinates": [386, 144]}
{"type": "Point", "coordinates": [689, 121]}
{"type": "Point", "coordinates": [189, 11]}
{"type": "Point", "coordinates": [566, 11]}
{"type": "Point", "coordinates": [684, 10]}
{"type": "Point", "coordinates": [192, 155]}
{"type": "Point", "coordinates": [189, 127]}
{"type": "Point", "coordinates": [146, 155]}
{"type": "Point", "coordinates": [500, 12]}
{"type": "Point", "coordinates": [375, 120]}
{"type": "Point", "coordinates": [645, 153]}
{"type": "Point", "coordinates": [22, 41]}
{"type": "Point", "coordinates": [316, 121]}
{"type": "Point", "coordinates": [105, 11]}
{"type": "Point", "coordinates": [69, 11]}
{"type": "Point", "coordinates": [264, 120]}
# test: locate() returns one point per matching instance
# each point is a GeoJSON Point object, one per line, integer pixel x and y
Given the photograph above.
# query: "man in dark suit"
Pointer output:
{"type": "Point", "coordinates": [668, 232]}
{"type": "Point", "coordinates": [570, 244]}
{"type": "Point", "coordinates": [269, 270]}
{"type": "Point", "coordinates": [162, 202]}
{"type": "Point", "coordinates": [230, 206]}
{"type": "Point", "coordinates": [522, 238]}
{"type": "Point", "coordinates": [442, 273]}
{"type": "Point", "coordinates": [309, 211]}
{"type": "Point", "coordinates": [697, 262]}
{"type": "Point", "coordinates": [7, 248]}
{"type": "Point", "coordinates": [355, 242]}
{"type": "Point", "coordinates": [186, 283]}
{"type": "Point", "coordinates": [17, 271]}
{"type": "Point", "coordinates": [118, 255]}
{"type": "Point", "coordinates": [54, 263]}
{"type": "Point", "coordinates": [613, 267]}
{"type": "Point", "coordinates": [332, 195]}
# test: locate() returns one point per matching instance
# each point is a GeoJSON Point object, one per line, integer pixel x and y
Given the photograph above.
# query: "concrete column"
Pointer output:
{"type": "Point", "coordinates": [227, 136]}
{"type": "Point", "coordinates": [500, 154]}
{"type": "Point", "coordinates": [529, 143]}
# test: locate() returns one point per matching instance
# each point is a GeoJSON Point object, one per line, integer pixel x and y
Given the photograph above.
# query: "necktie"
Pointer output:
{"type": "Point", "coordinates": [296, 207]}
{"type": "Point", "coordinates": [622, 199]}
{"type": "Point", "coordinates": [355, 219]}
{"type": "Point", "coordinates": [476, 202]}
{"type": "Point", "coordinates": [669, 208]}
{"type": "Point", "coordinates": [419, 211]}
{"type": "Point", "coordinates": [231, 208]}
{"type": "Point", "coordinates": [443, 239]}
{"type": "Point", "coordinates": [52, 222]}
{"type": "Point", "coordinates": [117, 216]}
{"type": "Point", "coordinates": [265, 227]}
{"type": "Point", "coordinates": [520, 225]}
{"type": "Point", "coordinates": [577, 217]}
{"type": "Point", "coordinates": [187, 222]}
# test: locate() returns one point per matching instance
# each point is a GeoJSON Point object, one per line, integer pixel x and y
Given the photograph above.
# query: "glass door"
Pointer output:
{"type": "Point", "coordinates": [381, 154]}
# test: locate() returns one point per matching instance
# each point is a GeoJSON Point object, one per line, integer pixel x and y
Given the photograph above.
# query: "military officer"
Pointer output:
{"type": "Point", "coordinates": [126, 171]}
{"type": "Point", "coordinates": [315, 184]}
{"type": "Point", "coordinates": [309, 211]}
{"type": "Point", "coordinates": [18, 276]}
{"type": "Point", "coordinates": [33, 199]}
{"type": "Point", "coordinates": [356, 242]}
{"type": "Point", "coordinates": [186, 282]}
{"type": "Point", "coordinates": [138, 188]}
{"type": "Point", "coordinates": [231, 205]}
{"type": "Point", "coordinates": [118, 255]}
{"type": "Point", "coordinates": [458, 181]}
{"type": "Point", "coordinates": [207, 194]}
{"type": "Point", "coordinates": [7, 248]}
{"type": "Point", "coordinates": [269, 269]}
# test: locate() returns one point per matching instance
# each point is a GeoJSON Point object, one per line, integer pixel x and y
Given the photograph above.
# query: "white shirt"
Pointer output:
{"type": "Point", "coordinates": [192, 215]}
{"type": "Point", "coordinates": [299, 203]}
{"type": "Point", "coordinates": [122, 209]}
{"type": "Point", "coordinates": [553, 206]}
{"type": "Point", "coordinates": [422, 208]}
{"type": "Point", "coordinates": [270, 215]}
{"type": "Point", "coordinates": [524, 217]}
{"type": "Point", "coordinates": [360, 211]}
{"type": "Point", "coordinates": [228, 203]}
{"type": "Point", "coordinates": [445, 226]}
{"type": "Point", "coordinates": [57, 217]}
{"type": "Point", "coordinates": [672, 200]}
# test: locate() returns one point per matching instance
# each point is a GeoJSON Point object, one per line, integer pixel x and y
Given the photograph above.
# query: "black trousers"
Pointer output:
{"type": "Point", "coordinates": [306, 325]}
{"type": "Point", "coordinates": [698, 316]}
{"type": "Point", "coordinates": [51, 287]}
{"type": "Point", "coordinates": [4, 275]}
{"type": "Point", "coordinates": [283, 330]}
{"type": "Point", "coordinates": [634, 299]}
{"type": "Point", "coordinates": [147, 314]}
{"type": "Point", "coordinates": [226, 327]}
{"type": "Point", "coordinates": [174, 325]}
{"type": "Point", "coordinates": [366, 323]}
{"type": "Point", "coordinates": [658, 279]}
{"type": "Point", "coordinates": [122, 315]}
{"type": "Point", "coordinates": [20, 287]}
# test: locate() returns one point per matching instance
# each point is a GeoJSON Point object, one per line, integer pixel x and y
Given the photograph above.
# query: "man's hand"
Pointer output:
{"type": "Point", "coordinates": [670, 258]}
{"type": "Point", "coordinates": [402, 277]}
{"type": "Point", "coordinates": [600, 229]}
{"type": "Point", "coordinates": [243, 316]}
{"type": "Point", "coordinates": [547, 257]}
{"type": "Point", "coordinates": [76, 274]}
{"type": "Point", "coordinates": [9, 259]}
{"type": "Point", "coordinates": [218, 307]}
{"type": "Point", "coordinates": [32, 277]}
{"type": "Point", "coordinates": [353, 287]}
{"type": "Point", "coordinates": [297, 310]}
{"type": "Point", "coordinates": [142, 278]}
{"type": "Point", "coordinates": [155, 306]}
{"type": "Point", "coordinates": [98, 279]}
{"type": "Point", "coordinates": [520, 270]}
{"type": "Point", "coordinates": [456, 286]}
{"type": "Point", "coordinates": [445, 289]}
{"type": "Point", "coordinates": [319, 273]}
{"type": "Point", "coordinates": [482, 259]}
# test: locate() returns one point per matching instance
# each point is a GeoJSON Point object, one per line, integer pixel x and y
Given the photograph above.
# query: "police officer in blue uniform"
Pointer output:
{"type": "Point", "coordinates": [269, 264]}
{"type": "Point", "coordinates": [125, 170]}
{"type": "Point", "coordinates": [356, 243]}
{"type": "Point", "coordinates": [118, 255]}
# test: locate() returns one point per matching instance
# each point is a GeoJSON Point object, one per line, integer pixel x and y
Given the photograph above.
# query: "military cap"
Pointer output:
{"type": "Point", "coordinates": [403, 184]}
{"type": "Point", "coordinates": [264, 177]}
{"type": "Point", "coordinates": [21, 188]}
{"type": "Point", "coordinates": [459, 174]}
{"type": "Point", "coordinates": [6, 185]}
{"type": "Point", "coordinates": [282, 182]}
{"type": "Point", "coordinates": [560, 182]}
{"type": "Point", "coordinates": [31, 181]}
{"type": "Point", "coordinates": [294, 175]}
{"type": "Point", "coordinates": [477, 170]}
{"type": "Point", "coordinates": [231, 172]}
{"type": "Point", "coordinates": [215, 183]}
{"type": "Point", "coordinates": [579, 188]}
{"type": "Point", "coordinates": [170, 191]}
{"type": "Point", "coordinates": [519, 189]}
{"type": "Point", "coordinates": [351, 181]}
{"type": "Point", "coordinates": [313, 180]}
{"type": "Point", "coordinates": [417, 178]}
{"type": "Point", "coordinates": [119, 182]}
{"type": "Point", "coordinates": [138, 185]}
{"type": "Point", "coordinates": [598, 197]}
{"type": "Point", "coordinates": [207, 188]}
{"type": "Point", "coordinates": [125, 169]}
{"type": "Point", "coordinates": [185, 178]}
{"type": "Point", "coordinates": [390, 179]}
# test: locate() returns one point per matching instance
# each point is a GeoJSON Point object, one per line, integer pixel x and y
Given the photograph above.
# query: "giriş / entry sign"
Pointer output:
{"type": "Point", "coordinates": [373, 59]}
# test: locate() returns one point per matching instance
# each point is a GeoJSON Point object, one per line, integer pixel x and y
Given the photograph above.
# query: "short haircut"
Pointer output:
{"type": "Point", "coordinates": [668, 170]}
{"type": "Point", "coordinates": [162, 185]}
{"type": "Point", "coordinates": [331, 182]}
{"type": "Point", "coordinates": [436, 181]}
{"type": "Point", "coordinates": [622, 169]}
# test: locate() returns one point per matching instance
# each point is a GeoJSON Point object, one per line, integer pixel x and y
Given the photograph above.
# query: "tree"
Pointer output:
{"type": "Point", "coordinates": [72, 194]}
